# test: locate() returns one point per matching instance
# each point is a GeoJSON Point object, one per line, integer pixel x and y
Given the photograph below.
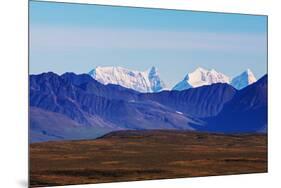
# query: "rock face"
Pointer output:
{"type": "Point", "coordinates": [244, 79]}
{"type": "Point", "coordinates": [201, 77]}
{"type": "Point", "coordinates": [147, 81]}
{"type": "Point", "coordinates": [74, 106]}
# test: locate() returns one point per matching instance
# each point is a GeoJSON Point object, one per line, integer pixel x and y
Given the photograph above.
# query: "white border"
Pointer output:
{"type": "Point", "coordinates": [13, 95]}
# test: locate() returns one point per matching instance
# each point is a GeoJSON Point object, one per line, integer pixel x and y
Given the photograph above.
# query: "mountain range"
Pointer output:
{"type": "Point", "coordinates": [151, 81]}
{"type": "Point", "coordinates": [71, 106]}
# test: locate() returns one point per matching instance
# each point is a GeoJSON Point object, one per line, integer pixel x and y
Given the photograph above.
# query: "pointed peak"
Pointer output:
{"type": "Point", "coordinates": [243, 79]}
{"type": "Point", "coordinates": [248, 71]}
{"type": "Point", "coordinates": [153, 70]}
{"type": "Point", "coordinates": [92, 72]}
{"type": "Point", "coordinates": [186, 77]}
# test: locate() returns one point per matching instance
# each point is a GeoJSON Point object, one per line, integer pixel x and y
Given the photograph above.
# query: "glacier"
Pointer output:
{"type": "Point", "coordinates": [142, 81]}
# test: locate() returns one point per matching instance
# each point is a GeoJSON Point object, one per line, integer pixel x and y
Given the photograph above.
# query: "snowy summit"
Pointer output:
{"type": "Point", "coordinates": [146, 81]}
{"type": "Point", "coordinates": [201, 77]}
{"type": "Point", "coordinates": [244, 79]}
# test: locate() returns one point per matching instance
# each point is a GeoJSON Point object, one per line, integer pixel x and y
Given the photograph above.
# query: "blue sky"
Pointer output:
{"type": "Point", "coordinates": [77, 38]}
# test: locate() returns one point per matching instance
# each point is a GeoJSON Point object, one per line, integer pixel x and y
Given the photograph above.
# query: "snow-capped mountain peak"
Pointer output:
{"type": "Point", "coordinates": [150, 81]}
{"type": "Point", "coordinates": [244, 79]}
{"type": "Point", "coordinates": [146, 81]}
{"type": "Point", "coordinates": [153, 70]}
{"type": "Point", "coordinates": [155, 82]}
{"type": "Point", "coordinates": [200, 77]}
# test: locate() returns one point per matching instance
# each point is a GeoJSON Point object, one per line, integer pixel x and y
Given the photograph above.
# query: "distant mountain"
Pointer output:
{"type": "Point", "coordinates": [74, 106]}
{"type": "Point", "coordinates": [156, 83]}
{"type": "Point", "coordinates": [246, 112]}
{"type": "Point", "coordinates": [147, 81]}
{"type": "Point", "coordinates": [150, 82]}
{"type": "Point", "coordinates": [201, 77]}
{"type": "Point", "coordinates": [244, 79]}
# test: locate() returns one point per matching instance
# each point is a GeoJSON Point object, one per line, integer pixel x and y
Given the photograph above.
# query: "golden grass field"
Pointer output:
{"type": "Point", "coordinates": [143, 155]}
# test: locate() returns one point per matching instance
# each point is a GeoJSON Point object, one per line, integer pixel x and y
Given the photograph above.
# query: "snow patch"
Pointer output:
{"type": "Point", "coordinates": [179, 112]}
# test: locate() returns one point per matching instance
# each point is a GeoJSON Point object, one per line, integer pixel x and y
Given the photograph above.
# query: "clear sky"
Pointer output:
{"type": "Point", "coordinates": [78, 37]}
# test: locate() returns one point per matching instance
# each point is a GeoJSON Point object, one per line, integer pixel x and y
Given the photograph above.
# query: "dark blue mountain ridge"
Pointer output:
{"type": "Point", "coordinates": [75, 98]}
{"type": "Point", "coordinates": [198, 102]}
{"type": "Point", "coordinates": [86, 83]}
{"type": "Point", "coordinates": [247, 112]}
{"type": "Point", "coordinates": [201, 102]}
{"type": "Point", "coordinates": [94, 106]}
